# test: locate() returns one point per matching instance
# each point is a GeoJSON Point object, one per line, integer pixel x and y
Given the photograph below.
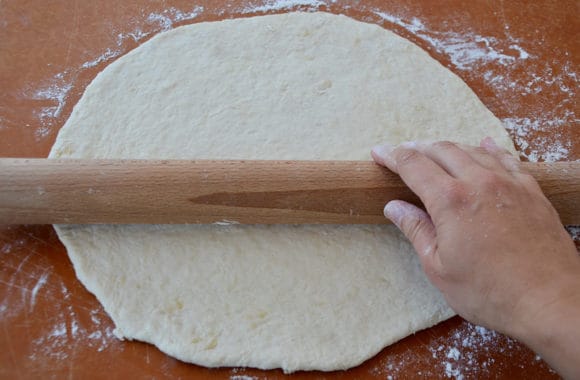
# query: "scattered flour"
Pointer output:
{"type": "Point", "coordinates": [170, 16]}
{"type": "Point", "coordinates": [574, 231]}
{"type": "Point", "coordinates": [243, 377]}
{"type": "Point", "coordinates": [6, 248]}
{"type": "Point", "coordinates": [464, 49]}
{"type": "Point", "coordinates": [497, 59]}
{"type": "Point", "coordinates": [64, 334]}
{"type": "Point", "coordinates": [468, 351]}
{"type": "Point", "coordinates": [31, 278]}
{"type": "Point", "coordinates": [65, 331]}
{"type": "Point", "coordinates": [453, 353]}
{"type": "Point", "coordinates": [54, 91]}
{"type": "Point", "coordinates": [39, 284]}
{"type": "Point", "coordinates": [278, 5]}
{"type": "Point", "coordinates": [237, 374]}
{"type": "Point", "coordinates": [465, 354]}
{"type": "Point", "coordinates": [501, 62]}
{"type": "Point", "coordinates": [107, 55]}
{"type": "Point", "coordinates": [57, 88]}
{"type": "Point", "coordinates": [452, 372]}
{"type": "Point", "coordinates": [553, 146]}
{"type": "Point", "coordinates": [155, 23]}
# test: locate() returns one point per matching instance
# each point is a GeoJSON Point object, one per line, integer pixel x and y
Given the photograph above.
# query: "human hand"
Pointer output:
{"type": "Point", "coordinates": [490, 240]}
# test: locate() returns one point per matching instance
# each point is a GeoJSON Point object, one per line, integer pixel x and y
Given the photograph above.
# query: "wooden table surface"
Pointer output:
{"type": "Point", "coordinates": [520, 57]}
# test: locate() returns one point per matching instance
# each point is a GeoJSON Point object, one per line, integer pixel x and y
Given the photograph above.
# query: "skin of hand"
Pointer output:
{"type": "Point", "coordinates": [492, 243]}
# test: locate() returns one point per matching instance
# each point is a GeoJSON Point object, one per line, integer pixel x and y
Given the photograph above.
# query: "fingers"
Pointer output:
{"type": "Point", "coordinates": [441, 173]}
{"type": "Point", "coordinates": [464, 161]}
{"type": "Point", "coordinates": [484, 158]}
{"type": "Point", "coordinates": [449, 156]}
{"type": "Point", "coordinates": [505, 158]}
{"type": "Point", "coordinates": [417, 226]}
{"type": "Point", "coordinates": [418, 171]}
{"type": "Point", "coordinates": [460, 161]}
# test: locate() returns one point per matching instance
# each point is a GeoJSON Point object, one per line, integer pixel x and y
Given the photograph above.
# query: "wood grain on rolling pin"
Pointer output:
{"type": "Point", "coordinates": [41, 191]}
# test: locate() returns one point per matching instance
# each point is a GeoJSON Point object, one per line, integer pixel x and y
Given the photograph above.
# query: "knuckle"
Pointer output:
{"type": "Point", "coordinates": [444, 145]}
{"type": "Point", "coordinates": [407, 156]}
{"type": "Point", "coordinates": [412, 226]}
{"type": "Point", "coordinates": [529, 182]}
{"type": "Point", "coordinates": [490, 180]}
{"type": "Point", "coordinates": [510, 163]}
{"type": "Point", "coordinates": [481, 151]}
{"type": "Point", "coordinates": [504, 151]}
{"type": "Point", "coordinates": [453, 192]}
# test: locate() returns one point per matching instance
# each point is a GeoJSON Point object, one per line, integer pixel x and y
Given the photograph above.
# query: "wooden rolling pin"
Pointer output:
{"type": "Point", "coordinates": [46, 191]}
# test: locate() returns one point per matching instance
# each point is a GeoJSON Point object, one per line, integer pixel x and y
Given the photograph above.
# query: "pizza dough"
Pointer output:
{"type": "Point", "coordinates": [292, 86]}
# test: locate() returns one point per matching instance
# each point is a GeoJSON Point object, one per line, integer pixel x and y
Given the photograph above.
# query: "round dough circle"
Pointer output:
{"type": "Point", "coordinates": [292, 86]}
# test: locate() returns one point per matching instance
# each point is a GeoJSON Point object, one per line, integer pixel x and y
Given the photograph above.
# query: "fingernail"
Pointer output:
{"type": "Point", "coordinates": [382, 151]}
{"type": "Point", "coordinates": [409, 144]}
{"type": "Point", "coordinates": [394, 212]}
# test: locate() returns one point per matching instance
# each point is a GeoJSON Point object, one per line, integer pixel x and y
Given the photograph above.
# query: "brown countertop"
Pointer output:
{"type": "Point", "coordinates": [521, 58]}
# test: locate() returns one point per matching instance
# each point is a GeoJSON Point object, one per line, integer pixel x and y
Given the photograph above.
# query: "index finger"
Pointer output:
{"type": "Point", "coordinates": [423, 176]}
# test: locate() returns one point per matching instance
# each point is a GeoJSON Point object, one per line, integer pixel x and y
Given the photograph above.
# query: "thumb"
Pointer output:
{"type": "Point", "coordinates": [417, 226]}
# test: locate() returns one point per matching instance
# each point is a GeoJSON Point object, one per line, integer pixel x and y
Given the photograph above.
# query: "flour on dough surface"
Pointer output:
{"type": "Point", "coordinates": [292, 86]}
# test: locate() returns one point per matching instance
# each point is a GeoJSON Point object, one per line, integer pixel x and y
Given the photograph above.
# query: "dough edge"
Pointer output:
{"type": "Point", "coordinates": [168, 349]}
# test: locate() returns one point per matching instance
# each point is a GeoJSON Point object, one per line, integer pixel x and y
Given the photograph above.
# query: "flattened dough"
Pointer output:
{"type": "Point", "coordinates": [293, 86]}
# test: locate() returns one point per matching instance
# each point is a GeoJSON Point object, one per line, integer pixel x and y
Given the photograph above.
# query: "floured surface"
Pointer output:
{"type": "Point", "coordinates": [292, 297]}
{"type": "Point", "coordinates": [544, 116]}
{"type": "Point", "coordinates": [508, 65]}
{"type": "Point", "coordinates": [316, 86]}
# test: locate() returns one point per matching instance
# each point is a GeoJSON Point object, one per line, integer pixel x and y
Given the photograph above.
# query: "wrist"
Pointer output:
{"type": "Point", "coordinates": [545, 305]}
{"type": "Point", "coordinates": [547, 321]}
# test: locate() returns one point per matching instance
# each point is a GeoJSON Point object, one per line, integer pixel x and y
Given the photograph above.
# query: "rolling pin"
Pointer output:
{"type": "Point", "coordinates": [70, 191]}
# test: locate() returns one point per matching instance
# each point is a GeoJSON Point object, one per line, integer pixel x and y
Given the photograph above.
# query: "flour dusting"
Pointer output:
{"type": "Point", "coordinates": [155, 22]}
{"type": "Point", "coordinates": [466, 353]}
{"type": "Point", "coordinates": [52, 344]}
{"type": "Point", "coordinates": [107, 55]}
{"type": "Point", "coordinates": [53, 95]}
{"type": "Point", "coordinates": [65, 331]}
{"type": "Point", "coordinates": [56, 89]}
{"type": "Point", "coordinates": [500, 60]}
{"type": "Point", "coordinates": [32, 279]}
{"type": "Point", "coordinates": [236, 373]}
{"type": "Point", "coordinates": [278, 5]}
{"type": "Point", "coordinates": [6, 248]}
{"type": "Point", "coordinates": [464, 49]}
{"type": "Point", "coordinates": [170, 16]}
{"type": "Point", "coordinates": [553, 146]}
{"type": "Point", "coordinates": [574, 232]}
{"type": "Point", "coordinates": [39, 284]}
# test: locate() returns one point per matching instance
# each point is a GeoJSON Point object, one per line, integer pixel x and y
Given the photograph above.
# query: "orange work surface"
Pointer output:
{"type": "Point", "coordinates": [520, 58]}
